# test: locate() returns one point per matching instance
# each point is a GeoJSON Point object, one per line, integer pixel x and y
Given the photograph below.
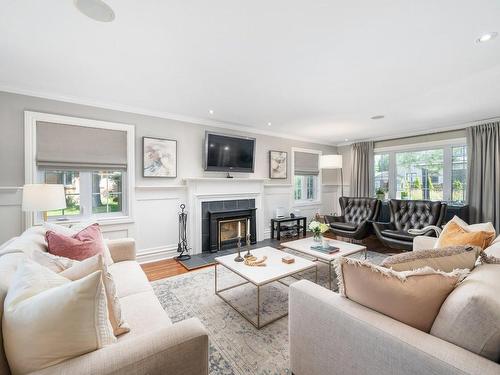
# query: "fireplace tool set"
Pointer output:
{"type": "Point", "coordinates": [182, 246]}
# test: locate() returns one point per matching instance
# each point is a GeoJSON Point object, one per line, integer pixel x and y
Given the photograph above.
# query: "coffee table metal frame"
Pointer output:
{"type": "Point", "coordinates": [258, 323]}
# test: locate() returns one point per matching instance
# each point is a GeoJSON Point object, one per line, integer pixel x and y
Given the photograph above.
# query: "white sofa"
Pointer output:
{"type": "Point", "coordinates": [153, 346]}
{"type": "Point", "coordinates": [330, 334]}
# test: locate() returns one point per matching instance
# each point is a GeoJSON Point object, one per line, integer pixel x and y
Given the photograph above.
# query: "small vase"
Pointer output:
{"type": "Point", "coordinates": [318, 237]}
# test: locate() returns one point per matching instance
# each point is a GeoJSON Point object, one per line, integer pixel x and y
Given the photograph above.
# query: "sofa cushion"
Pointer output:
{"type": "Point", "coordinates": [32, 239]}
{"type": "Point", "coordinates": [401, 235]}
{"type": "Point", "coordinates": [412, 297]}
{"type": "Point", "coordinates": [344, 226]}
{"type": "Point", "coordinates": [134, 308]}
{"type": "Point", "coordinates": [470, 316]}
{"type": "Point", "coordinates": [8, 266]}
{"type": "Point", "coordinates": [129, 278]}
{"type": "Point", "coordinates": [49, 319]}
{"type": "Point", "coordinates": [446, 259]}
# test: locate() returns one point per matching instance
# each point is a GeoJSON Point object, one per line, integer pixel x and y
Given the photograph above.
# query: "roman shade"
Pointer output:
{"type": "Point", "coordinates": [306, 163]}
{"type": "Point", "coordinates": [80, 147]}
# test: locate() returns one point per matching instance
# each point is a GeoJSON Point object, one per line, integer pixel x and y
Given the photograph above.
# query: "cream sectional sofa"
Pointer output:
{"type": "Point", "coordinates": [153, 346]}
{"type": "Point", "coordinates": [330, 334]}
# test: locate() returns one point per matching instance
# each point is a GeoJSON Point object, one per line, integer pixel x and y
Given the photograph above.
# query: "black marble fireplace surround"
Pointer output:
{"type": "Point", "coordinates": [213, 212]}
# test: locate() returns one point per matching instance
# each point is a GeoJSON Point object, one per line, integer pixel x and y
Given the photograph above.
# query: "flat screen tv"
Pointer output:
{"type": "Point", "coordinates": [229, 153]}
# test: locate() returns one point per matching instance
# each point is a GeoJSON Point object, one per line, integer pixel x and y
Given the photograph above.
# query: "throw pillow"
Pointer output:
{"type": "Point", "coordinates": [48, 319]}
{"type": "Point", "coordinates": [79, 246]}
{"type": "Point", "coordinates": [74, 229]}
{"type": "Point", "coordinates": [51, 261]}
{"type": "Point", "coordinates": [458, 232]}
{"type": "Point", "coordinates": [470, 316]}
{"type": "Point", "coordinates": [89, 266]}
{"type": "Point", "coordinates": [446, 259]}
{"type": "Point", "coordinates": [412, 297]}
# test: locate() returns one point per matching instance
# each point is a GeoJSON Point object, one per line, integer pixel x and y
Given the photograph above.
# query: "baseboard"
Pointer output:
{"type": "Point", "coordinates": [157, 253]}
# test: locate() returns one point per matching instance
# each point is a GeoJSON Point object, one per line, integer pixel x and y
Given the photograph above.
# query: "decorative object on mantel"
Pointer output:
{"type": "Point", "coordinates": [333, 162]}
{"type": "Point", "coordinates": [43, 198]}
{"type": "Point", "coordinates": [318, 229]}
{"type": "Point", "coordinates": [254, 262]}
{"type": "Point", "coordinates": [182, 246]}
{"type": "Point", "coordinates": [278, 164]}
{"type": "Point", "coordinates": [159, 157]}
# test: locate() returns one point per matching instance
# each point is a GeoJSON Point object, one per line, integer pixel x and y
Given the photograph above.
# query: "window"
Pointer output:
{"type": "Point", "coordinates": [94, 160]}
{"type": "Point", "coordinates": [381, 179]}
{"type": "Point", "coordinates": [305, 188]}
{"type": "Point", "coordinates": [458, 173]}
{"type": "Point", "coordinates": [436, 172]}
{"type": "Point", "coordinates": [420, 175]}
{"type": "Point", "coordinates": [99, 190]}
{"type": "Point", "coordinates": [306, 178]}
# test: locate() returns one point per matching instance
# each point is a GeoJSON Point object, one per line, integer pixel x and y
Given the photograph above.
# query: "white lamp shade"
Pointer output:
{"type": "Point", "coordinates": [330, 161]}
{"type": "Point", "coordinates": [43, 197]}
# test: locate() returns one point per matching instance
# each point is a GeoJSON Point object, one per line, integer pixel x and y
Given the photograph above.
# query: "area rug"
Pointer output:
{"type": "Point", "coordinates": [236, 346]}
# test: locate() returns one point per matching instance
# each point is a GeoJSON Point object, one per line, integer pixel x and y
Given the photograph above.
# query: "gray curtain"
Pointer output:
{"type": "Point", "coordinates": [483, 179]}
{"type": "Point", "coordinates": [361, 169]}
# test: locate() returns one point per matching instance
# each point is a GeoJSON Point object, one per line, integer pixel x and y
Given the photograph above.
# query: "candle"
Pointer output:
{"type": "Point", "coordinates": [248, 227]}
{"type": "Point", "coordinates": [239, 229]}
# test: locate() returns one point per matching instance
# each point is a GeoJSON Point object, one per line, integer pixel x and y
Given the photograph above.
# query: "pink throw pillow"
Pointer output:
{"type": "Point", "coordinates": [85, 244]}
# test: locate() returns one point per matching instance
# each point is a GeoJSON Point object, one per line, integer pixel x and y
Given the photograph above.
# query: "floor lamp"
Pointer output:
{"type": "Point", "coordinates": [43, 198]}
{"type": "Point", "coordinates": [333, 162]}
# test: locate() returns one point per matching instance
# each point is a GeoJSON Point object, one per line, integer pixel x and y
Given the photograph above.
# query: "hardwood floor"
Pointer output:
{"type": "Point", "coordinates": [170, 267]}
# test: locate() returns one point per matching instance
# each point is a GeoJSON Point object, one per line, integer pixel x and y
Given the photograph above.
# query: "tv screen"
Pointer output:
{"type": "Point", "coordinates": [229, 153]}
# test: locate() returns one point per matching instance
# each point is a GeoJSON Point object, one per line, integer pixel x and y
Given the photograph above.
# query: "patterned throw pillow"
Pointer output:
{"type": "Point", "coordinates": [446, 259]}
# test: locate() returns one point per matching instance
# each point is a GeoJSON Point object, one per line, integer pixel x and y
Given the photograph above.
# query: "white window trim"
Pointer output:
{"type": "Point", "coordinates": [446, 145]}
{"type": "Point", "coordinates": [30, 169]}
{"type": "Point", "coordinates": [305, 202]}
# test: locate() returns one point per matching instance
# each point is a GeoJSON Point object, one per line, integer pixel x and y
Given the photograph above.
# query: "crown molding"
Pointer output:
{"type": "Point", "coordinates": [159, 114]}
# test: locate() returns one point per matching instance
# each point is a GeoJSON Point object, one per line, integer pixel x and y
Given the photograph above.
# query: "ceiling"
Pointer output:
{"type": "Point", "coordinates": [316, 70]}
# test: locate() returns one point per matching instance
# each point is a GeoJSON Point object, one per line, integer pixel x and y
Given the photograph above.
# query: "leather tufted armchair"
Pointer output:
{"type": "Point", "coordinates": [357, 214]}
{"type": "Point", "coordinates": [405, 215]}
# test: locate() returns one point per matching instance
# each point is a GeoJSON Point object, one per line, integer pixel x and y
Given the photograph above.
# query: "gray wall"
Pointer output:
{"type": "Point", "coordinates": [189, 137]}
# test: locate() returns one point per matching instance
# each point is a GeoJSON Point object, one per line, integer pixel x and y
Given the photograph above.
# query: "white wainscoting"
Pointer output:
{"type": "Point", "coordinates": [155, 226]}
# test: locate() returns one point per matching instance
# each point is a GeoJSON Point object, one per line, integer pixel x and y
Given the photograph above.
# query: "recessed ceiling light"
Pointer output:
{"type": "Point", "coordinates": [347, 139]}
{"type": "Point", "coordinates": [487, 37]}
{"type": "Point", "coordinates": [269, 124]}
{"type": "Point", "coordinates": [98, 10]}
{"type": "Point", "coordinates": [211, 111]}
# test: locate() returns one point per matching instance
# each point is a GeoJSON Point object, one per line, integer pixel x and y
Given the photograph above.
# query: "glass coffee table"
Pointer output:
{"type": "Point", "coordinates": [274, 271]}
{"type": "Point", "coordinates": [303, 246]}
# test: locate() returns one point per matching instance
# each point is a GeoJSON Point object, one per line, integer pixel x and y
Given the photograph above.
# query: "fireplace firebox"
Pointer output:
{"type": "Point", "coordinates": [225, 221]}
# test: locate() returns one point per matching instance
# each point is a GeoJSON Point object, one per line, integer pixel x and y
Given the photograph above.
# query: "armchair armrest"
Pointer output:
{"type": "Point", "coordinates": [380, 226]}
{"type": "Point", "coordinates": [180, 349]}
{"type": "Point", "coordinates": [122, 249]}
{"type": "Point", "coordinates": [334, 219]}
{"type": "Point", "coordinates": [330, 334]}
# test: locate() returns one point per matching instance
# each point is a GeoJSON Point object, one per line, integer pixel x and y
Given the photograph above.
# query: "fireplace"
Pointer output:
{"type": "Point", "coordinates": [223, 221]}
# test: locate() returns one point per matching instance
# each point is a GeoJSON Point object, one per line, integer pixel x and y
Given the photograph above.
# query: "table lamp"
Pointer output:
{"type": "Point", "coordinates": [333, 162]}
{"type": "Point", "coordinates": [43, 197]}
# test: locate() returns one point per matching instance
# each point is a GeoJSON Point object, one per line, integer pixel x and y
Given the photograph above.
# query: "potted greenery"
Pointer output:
{"type": "Point", "coordinates": [380, 193]}
{"type": "Point", "coordinates": [318, 229]}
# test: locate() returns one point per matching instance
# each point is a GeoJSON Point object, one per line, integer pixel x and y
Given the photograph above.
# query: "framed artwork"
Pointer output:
{"type": "Point", "coordinates": [278, 164]}
{"type": "Point", "coordinates": [159, 157]}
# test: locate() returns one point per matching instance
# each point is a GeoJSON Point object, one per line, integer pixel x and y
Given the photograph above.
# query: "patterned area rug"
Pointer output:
{"type": "Point", "coordinates": [236, 347]}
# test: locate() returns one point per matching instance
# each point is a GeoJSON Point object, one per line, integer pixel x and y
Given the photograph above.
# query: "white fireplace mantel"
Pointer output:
{"type": "Point", "coordinates": [206, 189]}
